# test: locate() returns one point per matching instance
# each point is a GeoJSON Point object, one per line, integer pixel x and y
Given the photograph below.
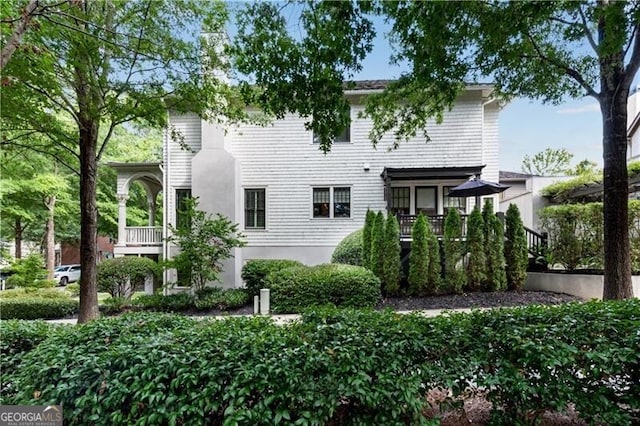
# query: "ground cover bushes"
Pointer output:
{"type": "Point", "coordinates": [255, 271]}
{"type": "Point", "coordinates": [36, 303]}
{"type": "Point", "coordinates": [335, 366]}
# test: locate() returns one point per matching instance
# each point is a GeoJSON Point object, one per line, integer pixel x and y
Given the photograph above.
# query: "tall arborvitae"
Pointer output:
{"type": "Point", "coordinates": [366, 238]}
{"type": "Point", "coordinates": [453, 268]}
{"type": "Point", "coordinates": [494, 242]}
{"type": "Point", "coordinates": [515, 249]}
{"type": "Point", "coordinates": [496, 274]}
{"type": "Point", "coordinates": [476, 265]}
{"type": "Point", "coordinates": [419, 257]}
{"type": "Point", "coordinates": [377, 245]}
{"type": "Point", "coordinates": [435, 263]}
{"type": "Point", "coordinates": [392, 266]}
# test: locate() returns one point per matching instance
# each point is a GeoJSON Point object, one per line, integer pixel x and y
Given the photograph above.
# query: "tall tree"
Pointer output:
{"type": "Point", "coordinates": [102, 64]}
{"type": "Point", "coordinates": [544, 50]}
{"type": "Point", "coordinates": [549, 162]}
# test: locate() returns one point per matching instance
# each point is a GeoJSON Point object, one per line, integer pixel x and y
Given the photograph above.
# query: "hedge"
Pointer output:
{"type": "Point", "coordinates": [350, 250]}
{"type": "Point", "coordinates": [294, 289]}
{"type": "Point", "coordinates": [255, 271]}
{"type": "Point", "coordinates": [576, 235]}
{"type": "Point", "coordinates": [30, 308]}
{"type": "Point", "coordinates": [340, 367]}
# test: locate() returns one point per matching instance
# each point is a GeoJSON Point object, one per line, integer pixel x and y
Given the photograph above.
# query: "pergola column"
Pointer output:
{"type": "Point", "coordinates": [122, 218]}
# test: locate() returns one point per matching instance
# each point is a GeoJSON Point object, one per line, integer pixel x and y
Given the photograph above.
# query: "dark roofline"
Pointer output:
{"type": "Point", "coordinates": [409, 173]}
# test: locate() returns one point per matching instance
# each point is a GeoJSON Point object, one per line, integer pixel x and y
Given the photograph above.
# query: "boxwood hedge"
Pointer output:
{"type": "Point", "coordinates": [31, 308]}
{"type": "Point", "coordinates": [297, 288]}
{"type": "Point", "coordinates": [339, 367]}
{"type": "Point", "coordinates": [255, 271]}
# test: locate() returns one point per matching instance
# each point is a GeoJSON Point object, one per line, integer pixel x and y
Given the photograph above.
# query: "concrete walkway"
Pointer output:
{"type": "Point", "coordinates": [283, 319]}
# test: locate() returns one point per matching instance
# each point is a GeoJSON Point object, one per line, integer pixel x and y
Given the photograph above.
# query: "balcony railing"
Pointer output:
{"type": "Point", "coordinates": [143, 235]}
{"type": "Point", "coordinates": [436, 222]}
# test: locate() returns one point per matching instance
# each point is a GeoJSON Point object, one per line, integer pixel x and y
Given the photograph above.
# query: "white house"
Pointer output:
{"type": "Point", "coordinates": [633, 126]}
{"type": "Point", "coordinates": [293, 201]}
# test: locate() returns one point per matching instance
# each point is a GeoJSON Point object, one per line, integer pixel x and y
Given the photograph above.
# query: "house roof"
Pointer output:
{"type": "Point", "coordinates": [409, 173]}
{"type": "Point", "coordinates": [361, 86]}
{"type": "Point", "coordinates": [505, 175]}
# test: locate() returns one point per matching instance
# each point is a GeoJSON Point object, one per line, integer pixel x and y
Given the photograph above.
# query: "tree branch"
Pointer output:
{"type": "Point", "coordinates": [564, 68]}
{"type": "Point", "coordinates": [43, 151]}
{"type": "Point", "coordinates": [16, 37]}
{"type": "Point", "coordinates": [634, 61]}
{"type": "Point", "coordinates": [587, 31]}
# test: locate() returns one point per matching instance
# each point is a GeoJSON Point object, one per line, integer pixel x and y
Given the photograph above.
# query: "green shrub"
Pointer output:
{"type": "Point", "coordinates": [297, 288]}
{"type": "Point", "coordinates": [476, 248]}
{"type": "Point", "coordinates": [255, 271]}
{"type": "Point", "coordinates": [73, 289]}
{"type": "Point", "coordinates": [30, 308]}
{"type": "Point", "coordinates": [435, 263]}
{"type": "Point", "coordinates": [30, 293]}
{"type": "Point", "coordinates": [349, 251]}
{"type": "Point", "coordinates": [217, 298]}
{"type": "Point", "coordinates": [367, 231]}
{"type": "Point", "coordinates": [120, 276]}
{"type": "Point", "coordinates": [419, 257]}
{"type": "Point", "coordinates": [377, 246]}
{"type": "Point", "coordinates": [165, 303]}
{"type": "Point", "coordinates": [29, 272]}
{"type": "Point", "coordinates": [18, 338]}
{"type": "Point", "coordinates": [454, 278]}
{"type": "Point", "coordinates": [515, 249]}
{"type": "Point", "coordinates": [391, 264]}
{"type": "Point", "coordinates": [496, 273]}
{"type": "Point", "coordinates": [115, 305]}
{"type": "Point", "coordinates": [339, 367]}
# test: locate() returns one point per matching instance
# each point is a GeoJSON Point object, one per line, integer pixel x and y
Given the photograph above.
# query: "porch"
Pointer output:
{"type": "Point", "coordinates": [436, 223]}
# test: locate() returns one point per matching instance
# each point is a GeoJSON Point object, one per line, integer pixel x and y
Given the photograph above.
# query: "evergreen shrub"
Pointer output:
{"type": "Point", "coordinates": [515, 249]}
{"type": "Point", "coordinates": [454, 277]}
{"type": "Point", "coordinates": [419, 258]}
{"type": "Point", "coordinates": [120, 276]}
{"type": "Point", "coordinates": [391, 264]}
{"type": "Point", "coordinates": [377, 246]}
{"type": "Point", "coordinates": [255, 272]}
{"type": "Point", "coordinates": [297, 288]}
{"type": "Point", "coordinates": [476, 248]}
{"type": "Point", "coordinates": [367, 237]}
{"type": "Point", "coordinates": [350, 250]}
{"type": "Point", "coordinates": [31, 308]}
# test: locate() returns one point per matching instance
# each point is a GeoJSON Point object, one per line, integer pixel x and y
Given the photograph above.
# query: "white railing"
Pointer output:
{"type": "Point", "coordinates": [143, 235]}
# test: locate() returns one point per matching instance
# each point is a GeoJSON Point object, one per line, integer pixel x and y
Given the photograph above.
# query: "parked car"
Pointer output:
{"type": "Point", "coordinates": [65, 274]}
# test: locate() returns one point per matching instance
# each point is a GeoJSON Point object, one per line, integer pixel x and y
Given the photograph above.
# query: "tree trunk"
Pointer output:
{"type": "Point", "coordinates": [16, 36]}
{"type": "Point", "coordinates": [88, 222]}
{"type": "Point", "coordinates": [18, 239]}
{"type": "Point", "coordinates": [50, 203]}
{"type": "Point", "coordinates": [617, 259]}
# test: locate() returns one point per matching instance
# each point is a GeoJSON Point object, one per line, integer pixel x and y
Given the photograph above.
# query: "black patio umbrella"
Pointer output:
{"type": "Point", "coordinates": [476, 188]}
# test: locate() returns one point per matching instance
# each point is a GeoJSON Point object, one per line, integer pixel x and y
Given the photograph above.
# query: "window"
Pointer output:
{"type": "Point", "coordinates": [344, 137]}
{"type": "Point", "coordinates": [459, 203]}
{"type": "Point", "coordinates": [426, 197]}
{"type": "Point", "coordinates": [329, 202]}
{"type": "Point", "coordinates": [400, 200]}
{"type": "Point", "coordinates": [254, 208]}
{"type": "Point", "coordinates": [182, 195]}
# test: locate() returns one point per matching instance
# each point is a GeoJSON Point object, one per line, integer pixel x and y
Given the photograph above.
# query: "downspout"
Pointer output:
{"type": "Point", "coordinates": [484, 106]}
{"type": "Point", "coordinates": [164, 167]}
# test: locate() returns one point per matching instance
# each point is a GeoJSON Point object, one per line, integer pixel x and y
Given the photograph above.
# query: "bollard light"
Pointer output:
{"type": "Point", "coordinates": [264, 301]}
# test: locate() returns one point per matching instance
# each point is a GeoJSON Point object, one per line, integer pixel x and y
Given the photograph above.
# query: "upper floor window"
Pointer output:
{"type": "Point", "coordinates": [254, 208]}
{"type": "Point", "coordinates": [344, 137]}
{"type": "Point", "coordinates": [182, 219]}
{"type": "Point", "coordinates": [332, 202]}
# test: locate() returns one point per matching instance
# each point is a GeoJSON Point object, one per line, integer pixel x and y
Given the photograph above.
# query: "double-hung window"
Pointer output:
{"type": "Point", "coordinates": [254, 208]}
{"type": "Point", "coordinates": [400, 202]}
{"type": "Point", "coordinates": [331, 202]}
{"type": "Point", "coordinates": [182, 218]}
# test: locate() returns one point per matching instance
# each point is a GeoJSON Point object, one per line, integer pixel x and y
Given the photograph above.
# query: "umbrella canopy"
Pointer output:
{"type": "Point", "coordinates": [476, 188]}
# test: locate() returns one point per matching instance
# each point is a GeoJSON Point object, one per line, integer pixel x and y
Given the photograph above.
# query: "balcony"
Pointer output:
{"type": "Point", "coordinates": [143, 236]}
{"type": "Point", "coordinates": [436, 223]}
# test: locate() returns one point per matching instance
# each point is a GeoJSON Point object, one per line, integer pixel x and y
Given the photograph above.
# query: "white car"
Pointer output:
{"type": "Point", "coordinates": [65, 274]}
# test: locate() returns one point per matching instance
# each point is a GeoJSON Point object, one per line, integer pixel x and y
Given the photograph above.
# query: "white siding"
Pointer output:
{"type": "Point", "coordinates": [178, 163]}
{"type": "Point", "coordinates": [282, 158]}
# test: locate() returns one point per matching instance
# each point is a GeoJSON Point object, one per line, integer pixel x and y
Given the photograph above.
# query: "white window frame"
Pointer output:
{"type": "Point", "coordinates": [332, 202]}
